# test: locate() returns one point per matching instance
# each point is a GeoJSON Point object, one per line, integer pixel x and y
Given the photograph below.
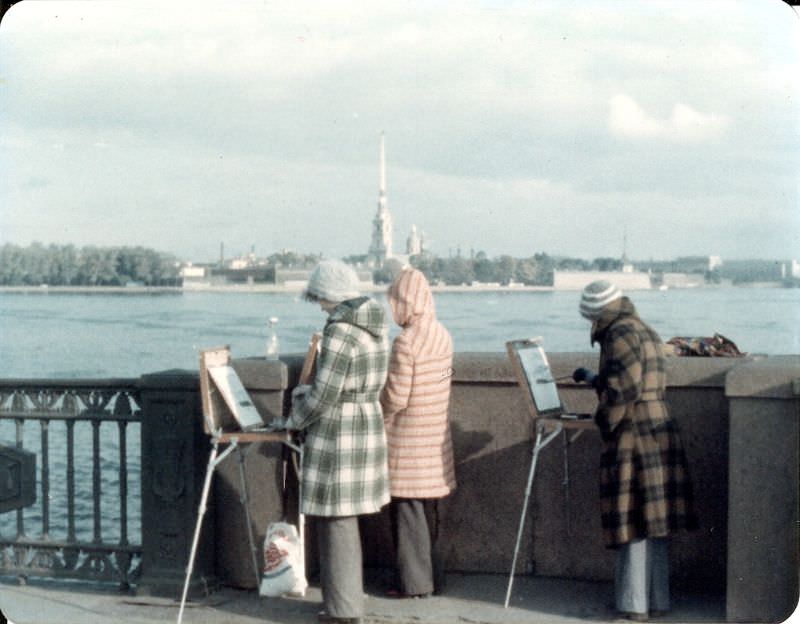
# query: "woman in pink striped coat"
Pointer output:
{"type": "Point", "coordinates": [415, 403]}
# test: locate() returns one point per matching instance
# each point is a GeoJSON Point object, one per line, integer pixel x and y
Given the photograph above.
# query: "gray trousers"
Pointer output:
{"type": "Point", "coordinates": [416, 526]}
{"type": "Point", "coordinates": [340, 566]}
{"type": "Point", "coordinates": [642, 576]}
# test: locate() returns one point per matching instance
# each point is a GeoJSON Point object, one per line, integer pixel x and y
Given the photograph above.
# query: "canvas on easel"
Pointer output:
{"type": "Point", "coordinates": [226, 402]}
{"type": "Point", "coordinates": [534, 376]}
{"type": "Point", "coordinates": [310, 363]}
{"type": "Point", "coordinates": [533, 373]}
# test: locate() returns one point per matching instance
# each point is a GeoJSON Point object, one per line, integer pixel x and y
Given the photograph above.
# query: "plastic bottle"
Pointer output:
{"type": "Point", "coordinates": [272, 340]}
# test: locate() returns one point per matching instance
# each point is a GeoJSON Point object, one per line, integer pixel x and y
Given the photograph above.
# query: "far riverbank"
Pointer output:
{"type": "Point", "coordinates": [297, 288]}
{"type": "Point", "coordinates": [243, 288]}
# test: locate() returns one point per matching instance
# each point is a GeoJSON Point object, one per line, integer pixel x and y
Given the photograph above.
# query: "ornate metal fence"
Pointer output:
{"type": "Point", "coordinates": [79, 430]}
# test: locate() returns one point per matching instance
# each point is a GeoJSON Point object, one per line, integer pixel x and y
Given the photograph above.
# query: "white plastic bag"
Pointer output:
{"type": "Point", "coordinates": [284, 566]}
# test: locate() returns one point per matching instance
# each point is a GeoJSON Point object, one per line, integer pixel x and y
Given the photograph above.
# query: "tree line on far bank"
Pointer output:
{"type": "Point", "coordinates": [535, 270]}
{"type": "Point", "coordinates": [67, 265]}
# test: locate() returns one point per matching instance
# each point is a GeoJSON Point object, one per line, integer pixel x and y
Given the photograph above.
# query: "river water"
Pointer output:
{"type": "Point", "coordinates": [59, 335]}
{"type": "Point", "coordinates": [121, 335]}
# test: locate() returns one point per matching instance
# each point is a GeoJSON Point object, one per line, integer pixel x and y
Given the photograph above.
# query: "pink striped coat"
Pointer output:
{"type": "Point", "coordinates": [416, 396]}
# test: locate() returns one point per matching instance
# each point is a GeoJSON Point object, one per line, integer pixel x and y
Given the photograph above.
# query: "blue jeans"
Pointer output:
{"type": "Point", "coordinates": [642, 576]}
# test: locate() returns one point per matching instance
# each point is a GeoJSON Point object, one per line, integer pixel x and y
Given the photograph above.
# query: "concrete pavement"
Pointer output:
{"type": "Point", "coordinates": [468, 599]}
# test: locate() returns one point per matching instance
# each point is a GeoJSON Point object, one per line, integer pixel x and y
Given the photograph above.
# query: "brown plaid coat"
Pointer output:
{"type": "Point", "coordinates": [645, 490]}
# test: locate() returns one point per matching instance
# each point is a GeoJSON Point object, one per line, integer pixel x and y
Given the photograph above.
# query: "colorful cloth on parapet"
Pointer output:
{"type": "Point", "coordinates": [344, 466]}
{"type": "Point", "coordinates": [645, 489]}
{"type": "Point", "coordinates": [715, 346]}
{"type": "Point", "coordinates": [416, 397]}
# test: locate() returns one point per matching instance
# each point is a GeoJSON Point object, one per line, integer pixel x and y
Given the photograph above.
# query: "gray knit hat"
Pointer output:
{"type": "Point", "coordinates": [332, 280]}
{"type": "Point", "coordinates": [597, 296]}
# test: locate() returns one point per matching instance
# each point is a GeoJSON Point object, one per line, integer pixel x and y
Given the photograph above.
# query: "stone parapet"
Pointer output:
{"type": "Point", "coordinates": [739, 424]}
{"type": "Point", "coordinates": [763, 536]}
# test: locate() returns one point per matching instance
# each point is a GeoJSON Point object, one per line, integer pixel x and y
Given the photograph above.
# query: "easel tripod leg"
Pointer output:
{"type": "Point", "coordinates": [536, 448]}
{"type": "Point", "coordinates": [301, 518]}
{"type": "Point", "coordinates": [201, 512]}
{"type": "Point", "coordinates": [245, 500]}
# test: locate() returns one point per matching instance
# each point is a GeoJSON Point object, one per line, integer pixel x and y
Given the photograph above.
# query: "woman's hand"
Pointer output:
{"type": "Point", "coordinates": [279, 423]}
{"type": "Point", "coordinates": [300, 392]}
{"type": "Point", "coordinates": [583, 374]}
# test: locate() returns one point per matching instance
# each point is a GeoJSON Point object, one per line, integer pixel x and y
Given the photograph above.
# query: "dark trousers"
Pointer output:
{"type": "Point", "coordinates": [340, 566]}
{"type": "Point", "coordinates": [416, 528]}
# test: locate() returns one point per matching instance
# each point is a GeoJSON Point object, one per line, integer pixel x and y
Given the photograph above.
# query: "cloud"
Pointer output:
{"type": "Point", "coordinates": [535, 121]}
{"type": "Point", "coordinates": [627, 119]}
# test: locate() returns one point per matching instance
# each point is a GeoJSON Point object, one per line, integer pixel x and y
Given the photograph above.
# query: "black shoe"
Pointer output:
{"type": "Point", "coordinates": [633, 617]}
{"type": "Point", "coordinates": [396, 593]}
{"type": "Point", "coordinates": [324, 618]}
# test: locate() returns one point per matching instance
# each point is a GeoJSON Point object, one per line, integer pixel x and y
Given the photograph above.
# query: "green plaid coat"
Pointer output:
{"type": "Point", "coordinates": [345, 470]}
{"type": "Point", "coordinates": [645, 490]}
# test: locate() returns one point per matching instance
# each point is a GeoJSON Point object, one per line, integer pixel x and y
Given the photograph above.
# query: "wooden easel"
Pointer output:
{"type": "Point", "coordinates": [220, 412]}
{"type": "Point", "coordinates": [535, 378]}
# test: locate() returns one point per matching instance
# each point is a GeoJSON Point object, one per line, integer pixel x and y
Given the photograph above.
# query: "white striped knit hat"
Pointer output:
{"type": "Point", "coordinates": [596, 296]}
{"type": "Point", "coordinates": [332, 280]}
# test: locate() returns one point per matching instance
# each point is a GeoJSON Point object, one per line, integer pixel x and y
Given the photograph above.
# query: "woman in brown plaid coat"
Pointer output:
{"type": "Point", "coordinates": [645, 489]}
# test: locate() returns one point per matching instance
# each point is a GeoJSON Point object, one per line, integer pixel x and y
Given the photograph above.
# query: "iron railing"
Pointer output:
{"type": "Point", "coordinates": [84, 465]}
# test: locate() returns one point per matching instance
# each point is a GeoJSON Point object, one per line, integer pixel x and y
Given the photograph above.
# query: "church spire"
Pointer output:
{"type": "Point", "coordinates": [383, 168]}
{"type": "Point", "coordinates": [381, 247]}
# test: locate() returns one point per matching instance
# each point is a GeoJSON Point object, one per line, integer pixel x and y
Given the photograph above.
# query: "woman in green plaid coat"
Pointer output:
{"type": "Point", "coordinates": [345, 470]}
{"type": "Point", "coordinates": [645, 491]}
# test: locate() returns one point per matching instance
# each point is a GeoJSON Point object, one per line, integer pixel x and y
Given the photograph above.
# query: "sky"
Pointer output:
{"type": "Point", "coordinates": [585, 129]}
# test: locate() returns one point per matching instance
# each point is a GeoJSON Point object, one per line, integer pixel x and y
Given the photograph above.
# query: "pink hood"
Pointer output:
{"type": "Point", "coordinates": [410, 298]}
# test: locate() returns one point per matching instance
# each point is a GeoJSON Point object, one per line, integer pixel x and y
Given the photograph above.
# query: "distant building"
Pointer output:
{"type": "Point", "coordinates": [627, 267]}
{"type": "Point", "coordinates": [683, 280]}
{"type": "Point", "coordinates": [626, 278]}
{"type": "Point", "coordinates": [381, 246]}
{"type": "Point", "coordinates": [292, 278]}
{"type": "Point", "coordinates": [694, 264]}
{"type": "Point", "coordinates": [241, 263]}
{"type": "Point", "coordinates": [190, 271]}
{"type": "Point", "coordinates": [577, 280]}
{"type": "Point", "coordinates": [793, 271]}
{"type": "Point", "coordinates": [251, 274]}
{"type": "Point", "coordinates": [414, 242]}
{"type": "Point", "coordinates": [686, 271]}
{"type": "Point", "coordinates": [196, 275]}
{"type": "Point", "coordinates": [238, 264]}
